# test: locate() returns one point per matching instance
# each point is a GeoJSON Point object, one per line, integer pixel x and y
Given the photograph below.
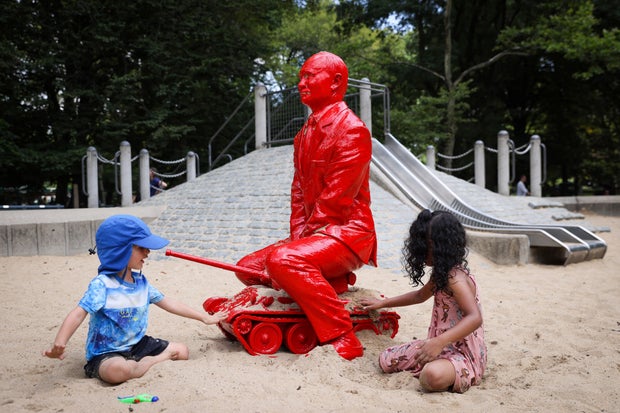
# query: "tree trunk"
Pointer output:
{"type": "Point", "coordinates": [447, 63]}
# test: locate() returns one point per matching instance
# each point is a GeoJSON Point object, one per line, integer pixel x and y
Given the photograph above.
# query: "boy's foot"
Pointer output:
{"type": "Point", "coordinates": [348, 346]}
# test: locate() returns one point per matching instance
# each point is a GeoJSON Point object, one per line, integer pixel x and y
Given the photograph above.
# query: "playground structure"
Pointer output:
{"type": "Point", "coordinates": [552, 244]}
{"type": "Point", "coordinates": [279, 115]}
{"type": "Point", "coordinates": [262, 319]}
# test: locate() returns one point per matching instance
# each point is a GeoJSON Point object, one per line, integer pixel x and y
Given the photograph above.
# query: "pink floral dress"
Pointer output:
{"type": "Point", "coordinates": [468, 356]}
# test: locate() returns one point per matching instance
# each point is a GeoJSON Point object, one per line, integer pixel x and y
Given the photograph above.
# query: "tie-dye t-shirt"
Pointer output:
{"type": "Point", "coordinates": [118, 312]}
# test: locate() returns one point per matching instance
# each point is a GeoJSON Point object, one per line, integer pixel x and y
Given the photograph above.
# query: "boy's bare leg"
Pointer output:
{"type": "Point", "coordinates": [116, 370]}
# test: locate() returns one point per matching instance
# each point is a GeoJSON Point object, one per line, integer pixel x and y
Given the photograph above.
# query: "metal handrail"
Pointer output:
{"type": "Point", "coordinates": [217, 132]}
{"type": "Point", "coordinates": [279, 136]}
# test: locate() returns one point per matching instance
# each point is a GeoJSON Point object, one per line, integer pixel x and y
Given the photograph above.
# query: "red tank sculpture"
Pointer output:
{"type": "Point", "coordinates": [262, 319]}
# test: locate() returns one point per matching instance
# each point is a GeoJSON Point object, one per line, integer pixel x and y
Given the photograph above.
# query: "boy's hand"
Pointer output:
{"type": "Point", "coordinates": [216, 317]}
{"type": "Point", "coordinates": [56, 352]}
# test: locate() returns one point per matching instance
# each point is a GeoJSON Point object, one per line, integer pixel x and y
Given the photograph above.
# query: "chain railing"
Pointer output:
{"type": "Point", "coordinates": [456, 157]}
{"type": "Point", "coordinates": [537, 157]}
{"type": "Point", "coordinates": [121, 162]}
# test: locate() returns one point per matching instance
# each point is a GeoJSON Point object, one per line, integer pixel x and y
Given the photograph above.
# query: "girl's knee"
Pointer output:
{"type": "Point", "coordinates": [437, 376]}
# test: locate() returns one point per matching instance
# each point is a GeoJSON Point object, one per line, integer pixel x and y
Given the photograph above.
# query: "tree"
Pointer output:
{"type": "Point", "coordinates": [512, 54]}
{"type": "Point", "coordinates": [579, 62]}
{"type": "Point", "coordinates": [308, 30]}
{"type": "Point", "coordinates": [162, 75]}
{"type": "Point", "coordinates": [454, 79]}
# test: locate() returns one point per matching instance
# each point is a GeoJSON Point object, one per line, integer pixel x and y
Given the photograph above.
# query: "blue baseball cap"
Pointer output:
{"type": "Point", "coordinates": [116, 237]}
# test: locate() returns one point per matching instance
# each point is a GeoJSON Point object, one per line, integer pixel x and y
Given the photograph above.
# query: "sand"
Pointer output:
{"type": "Point", "coordinates": [553, 335]}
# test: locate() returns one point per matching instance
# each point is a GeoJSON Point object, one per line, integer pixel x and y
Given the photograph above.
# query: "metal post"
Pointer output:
{"type": "Point", "coordinates": [92, 178]}
{"type": "Point", "coordinates": [535, 167]}
{"type": "Point", "coordinates": [503, 163]}
{"type": "Point", "coordinates": [260, 115]}
{"type": "Point", "coordinates": [191, 166]}
{"type": "Point", "coordinates": [479, 166]}
{"type": "Point", "coordinates": [145, 175]}
{"type": "Point", "coordinates": [126, 185]}
{"type": "Point", "coordinates": [366, 104]}
{"type": "Point", "coordinates": [76, 195]}
{"type": "Point", "coordinates": [430, 157]}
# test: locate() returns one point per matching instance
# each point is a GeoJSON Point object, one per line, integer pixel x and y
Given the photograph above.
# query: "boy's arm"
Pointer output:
{"type": "Point", "coordinates": [73, 320]}
{"type": "Point", "coordinates": [183, 310]}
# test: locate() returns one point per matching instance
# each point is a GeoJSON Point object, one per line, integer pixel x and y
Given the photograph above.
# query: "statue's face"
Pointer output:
{"type": "Point", "coordinates": [317, 85]}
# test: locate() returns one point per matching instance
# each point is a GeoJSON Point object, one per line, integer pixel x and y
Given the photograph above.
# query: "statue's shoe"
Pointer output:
{"type": "Point", "coordinates": [348, 346]}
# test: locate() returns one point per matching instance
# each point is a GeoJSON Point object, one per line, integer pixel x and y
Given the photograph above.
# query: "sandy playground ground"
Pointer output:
{"type": "Point", "coordinates": [553, 335]}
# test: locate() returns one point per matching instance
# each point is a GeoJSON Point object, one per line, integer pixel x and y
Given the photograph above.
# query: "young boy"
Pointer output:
{"type": "Point", "coordinates": [117, 348]}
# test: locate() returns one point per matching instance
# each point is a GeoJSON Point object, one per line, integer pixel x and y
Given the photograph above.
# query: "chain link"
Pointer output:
{"type": "Point", "coordinates": [166, 162]}
{"type": "Point", "coordinates": [522, 150]}
{"type": "Point", "coordinates": [439, 155]}
{"type": "Point", "coordinates": [106, 161]}
{"type": "Point", "coordinates": [444, 168]}
{"type": "Point", "coordinates": [171, 175]}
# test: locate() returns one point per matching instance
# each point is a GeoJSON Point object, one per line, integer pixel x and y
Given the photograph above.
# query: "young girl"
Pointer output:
{"type": "Point", "coordinates": [454, 355]}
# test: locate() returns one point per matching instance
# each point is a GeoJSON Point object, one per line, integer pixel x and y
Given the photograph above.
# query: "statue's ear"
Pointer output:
{"type": "Point", "coordinates": [336, 83]}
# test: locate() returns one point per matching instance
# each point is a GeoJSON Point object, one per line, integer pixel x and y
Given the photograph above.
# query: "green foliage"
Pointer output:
{"type": "Point", "coordinates": [572, 32]}
{"type": "Point", "coordinates": [309, 30]}
{"type": "Point", "coordinates": [426, 124]}
{"type": "Point", "coordinates": [162, 75]}
{"type": "Point", "coordinates": [548, 68]}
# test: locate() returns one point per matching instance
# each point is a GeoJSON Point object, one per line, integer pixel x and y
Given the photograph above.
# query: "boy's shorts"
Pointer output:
{"type": "Point", "coordinates": [147, 346]}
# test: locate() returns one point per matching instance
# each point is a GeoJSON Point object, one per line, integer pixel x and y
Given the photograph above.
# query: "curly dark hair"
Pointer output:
{"type": "Point", "coordinates": [445, 236]}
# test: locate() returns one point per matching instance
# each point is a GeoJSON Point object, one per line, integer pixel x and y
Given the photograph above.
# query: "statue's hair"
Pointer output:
{"type": "Point", "coordinates": [334, 64]}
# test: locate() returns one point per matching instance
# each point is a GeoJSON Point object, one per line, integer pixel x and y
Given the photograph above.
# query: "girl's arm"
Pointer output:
{"type": "Point", "coordinates": [183, 310]}
{"type": "Point", "coordinates": [464, 295]}
{"type": "Point", "coordinates": [409, 298]}
{"type": "Point", "coordinates": [71, 323]}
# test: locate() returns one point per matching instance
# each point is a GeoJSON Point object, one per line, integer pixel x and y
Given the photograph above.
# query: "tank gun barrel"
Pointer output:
{"type": "Point", "coordinates": [215, 263]}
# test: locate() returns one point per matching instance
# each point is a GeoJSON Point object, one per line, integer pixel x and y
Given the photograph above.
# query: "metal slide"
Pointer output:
{"type": "Point", "coordinates": [557, 244]}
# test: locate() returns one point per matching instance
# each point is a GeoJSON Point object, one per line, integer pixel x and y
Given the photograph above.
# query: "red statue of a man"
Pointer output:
{"type": "Point", "coordinates": [332, 231]}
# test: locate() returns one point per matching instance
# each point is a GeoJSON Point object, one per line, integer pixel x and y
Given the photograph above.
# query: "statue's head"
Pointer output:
{"type": "Point", "coordinates": [323, 80]}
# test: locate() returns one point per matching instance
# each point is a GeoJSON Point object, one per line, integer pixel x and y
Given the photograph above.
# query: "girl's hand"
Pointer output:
{"type": "Point", "coordinates": [216, 317]}
{"type": "Point", "coordinates": [371, 303]}
{"type": "Point", "coordinates": [427, 351]}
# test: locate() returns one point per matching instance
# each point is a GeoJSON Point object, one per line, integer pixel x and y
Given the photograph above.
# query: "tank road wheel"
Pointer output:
{"type": "Point", "coordinates": [265, 338]}
{"type": "Point", "coordinates": [301, 338]}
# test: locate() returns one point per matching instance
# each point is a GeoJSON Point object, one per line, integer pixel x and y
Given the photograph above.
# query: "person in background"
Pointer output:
{"type": "Point", "coordinates": [453, 357]}
{"type": "Point", "coordinates": [521, 188]}
{"type": "Point", "coordinates": [118, 300]}
{"type": "Point", "coordinates": [157, 185]}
